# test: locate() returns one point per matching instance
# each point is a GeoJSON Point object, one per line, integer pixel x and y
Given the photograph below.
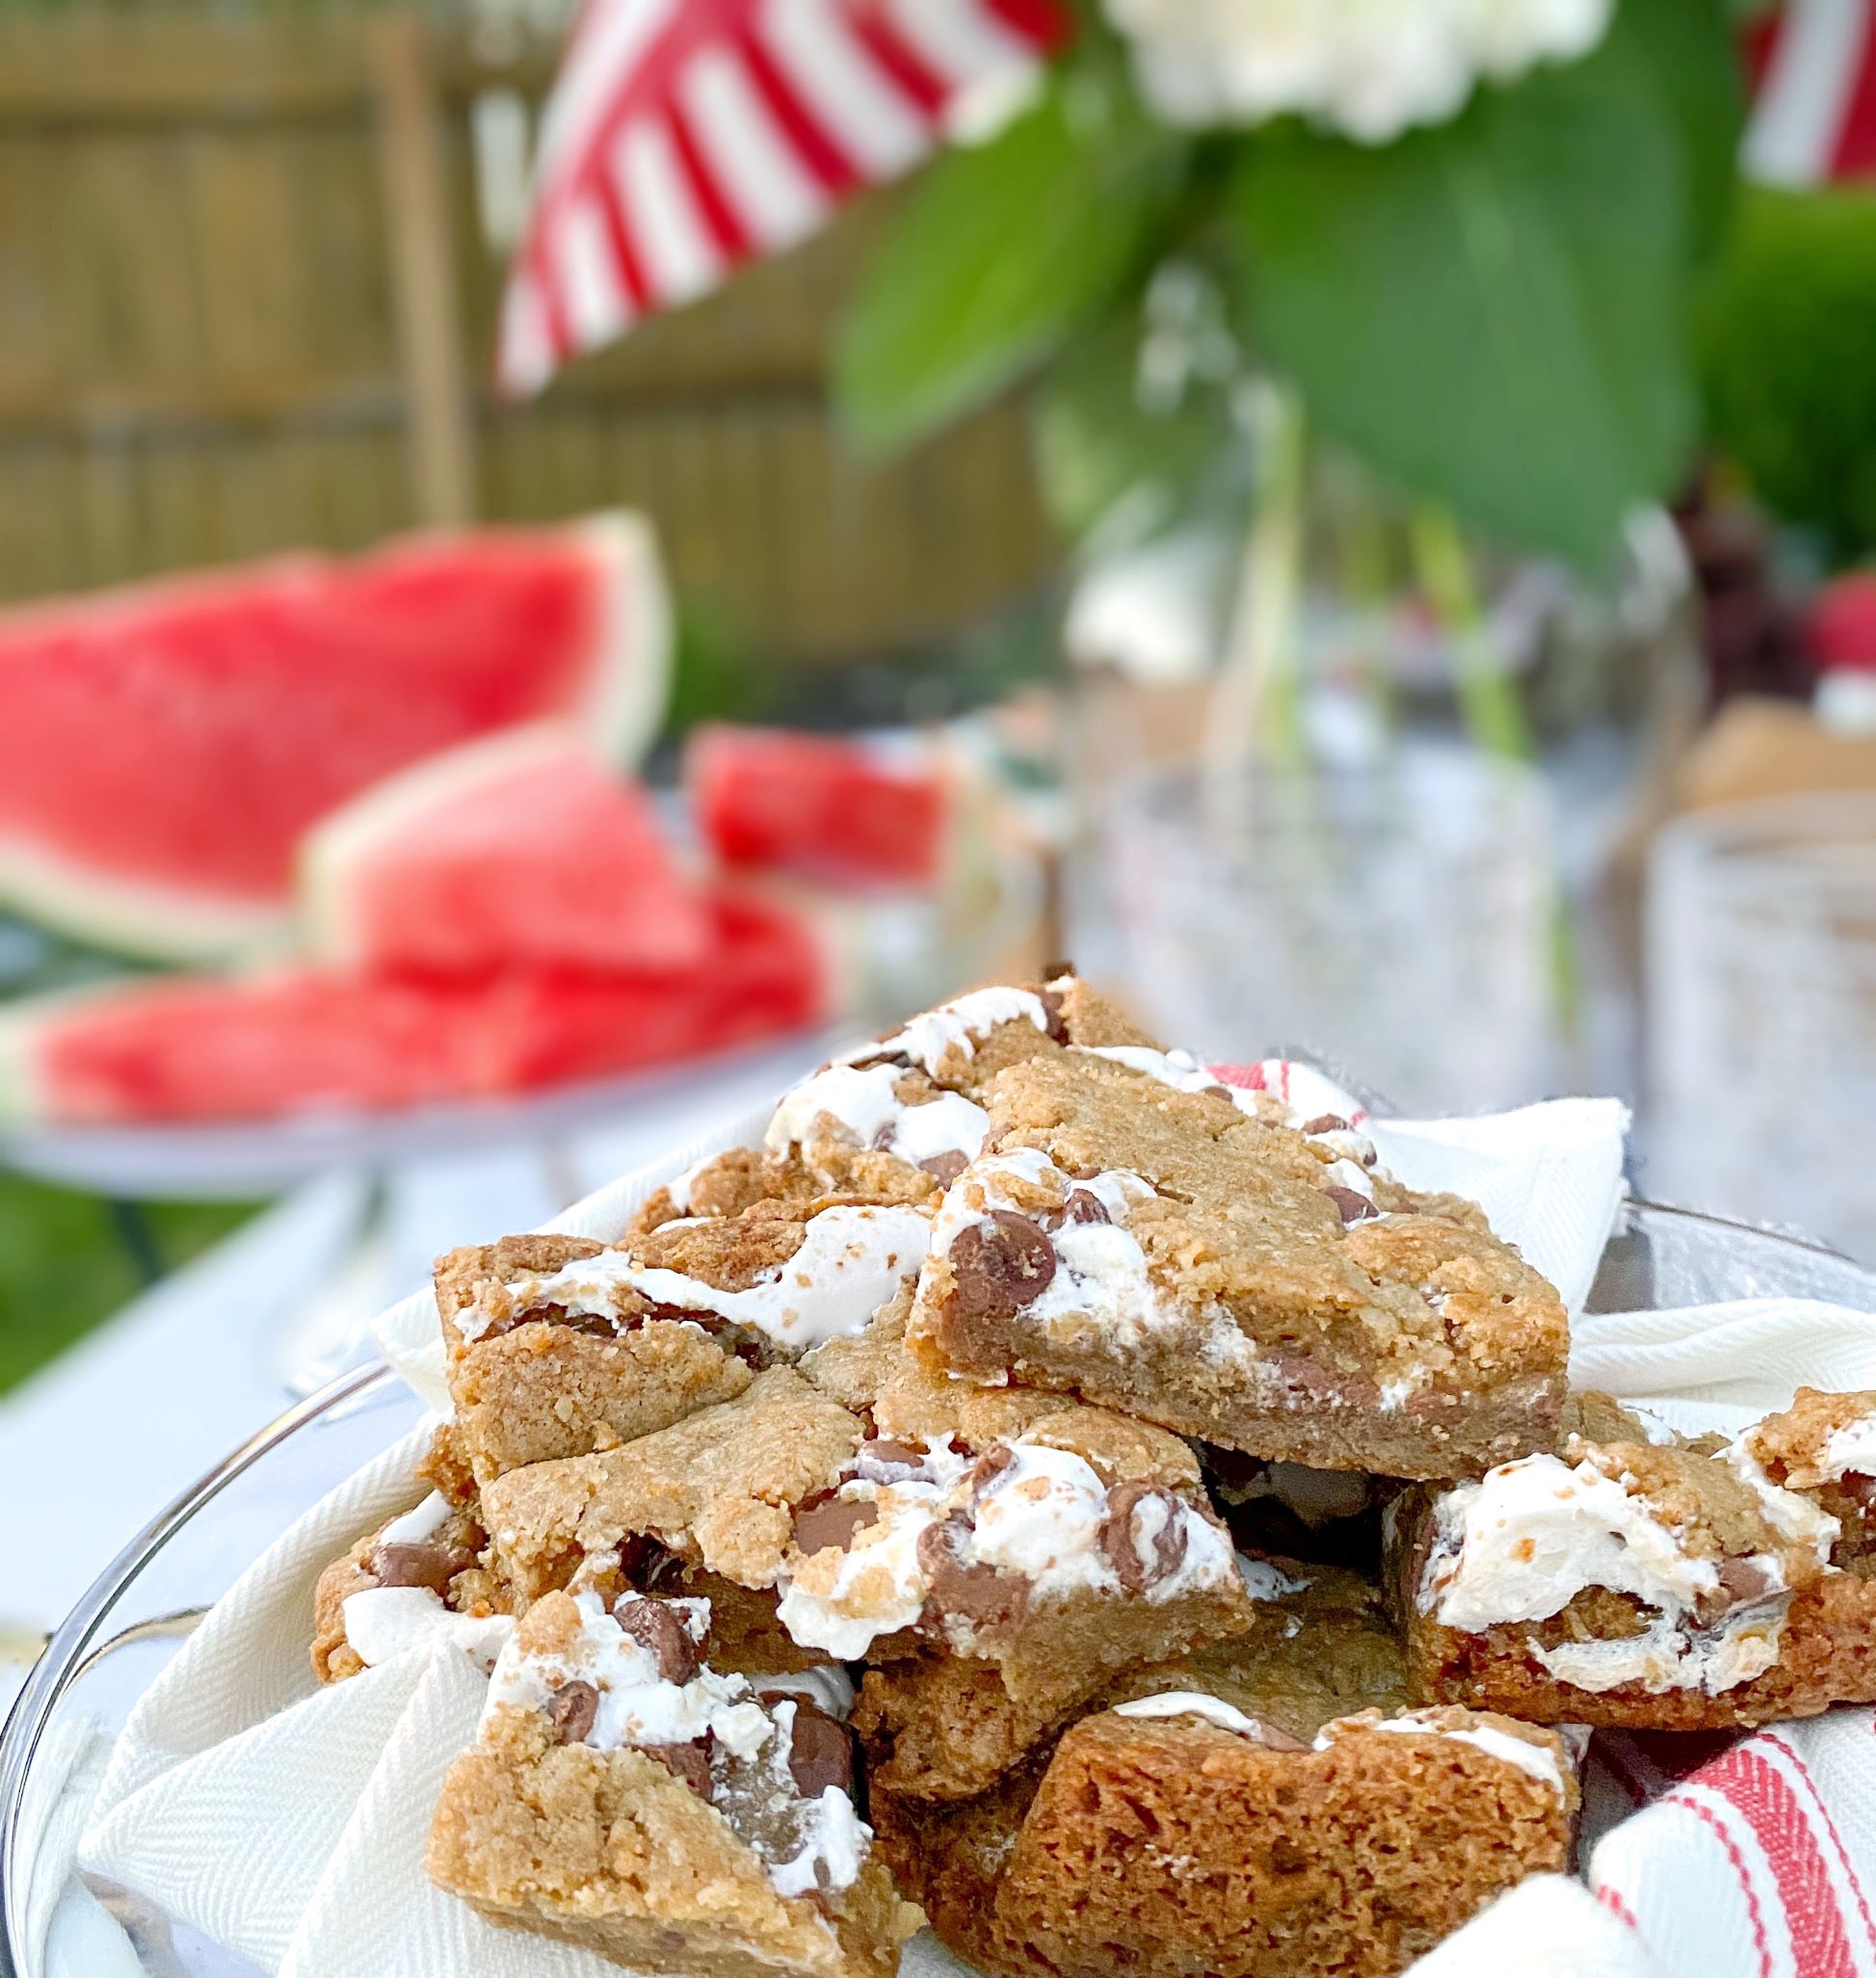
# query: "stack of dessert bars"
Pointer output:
{"type": "Point", "coordinates": [1097, 1507]}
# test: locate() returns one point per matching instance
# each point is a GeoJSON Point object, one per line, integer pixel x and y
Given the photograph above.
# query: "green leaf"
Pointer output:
{"type": "Point", "coordinates": [1003, 251]}
{"type": "Point", "coordinates": [1788, 362]}
{"type": "Point", "coordinates": [1687, 52]}
{"type": "Point", "coordinates": [1492, 313]}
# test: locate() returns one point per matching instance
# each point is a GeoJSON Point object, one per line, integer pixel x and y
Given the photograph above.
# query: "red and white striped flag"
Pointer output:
{"type": "Point", "coordinates": [1814, 66]}
{"type": "Point", "coordinates": [685, 137]}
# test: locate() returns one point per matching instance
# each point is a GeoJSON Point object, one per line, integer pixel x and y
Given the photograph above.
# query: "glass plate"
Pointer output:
{"type": "Point", "coordinates": [142, 1608]}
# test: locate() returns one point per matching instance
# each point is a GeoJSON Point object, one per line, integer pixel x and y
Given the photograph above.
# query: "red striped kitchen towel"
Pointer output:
{"type": "Point", "coordinates": [685, 137]}
{"type": "Point", "coordinates": [1754, 1858]}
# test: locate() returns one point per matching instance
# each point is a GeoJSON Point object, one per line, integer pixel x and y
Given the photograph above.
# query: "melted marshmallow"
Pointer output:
{"type": "Point", "coordinates": [1038, 1518]}
{"type": "Point", "coordinates": [960, 1025]}
{"type": "Point", "coordinates": [1538, 1760]}
{"type": "Point", "coordinates": [415, 1526]}
{"type": "Point", "coordinates": [1102, 1280]}
{"type": "Point", "coordinates": [864, 1100]}
{"type": "Point", "coordinates": [637, 1705]}
{"type": "Point", "coordinates": [1850, 1451]}
{"type": "Point", "coordinates": [1194, 1703]}
{"type": "Point", "coordinates": [1789, 1513]}
{"type": "Point", "coordinates": [1521, 1543]}
{"type": "Point", "coordinates": [384, 1623]}
{"type": "Point", "coordinates": [1525, 1541]}
{"type": "Point", "coordinates": [851, 1262]}
{"type": "Point", "coordinates": [1743, 1644]}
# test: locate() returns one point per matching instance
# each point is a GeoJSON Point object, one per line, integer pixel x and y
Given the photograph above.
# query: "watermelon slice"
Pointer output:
{"type": "Point", "coordinates": [193, 1050]}
{"type": "Point", "coordinates": [517, 850]}
{"type": "Point", "coordinates": [840, 812]}
{"type": "Point", "coordinates": [164, 746]}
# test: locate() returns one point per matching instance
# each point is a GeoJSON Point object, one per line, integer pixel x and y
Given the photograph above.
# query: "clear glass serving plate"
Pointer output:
{"type": "Point", "coordinates": [136, 1616]}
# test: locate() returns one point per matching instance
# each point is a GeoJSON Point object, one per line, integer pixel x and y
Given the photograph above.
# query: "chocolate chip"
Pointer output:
{"type": "Point", "coordinates": [883, 1453]}
{"type": "Point", "coordinates": [689, 1762]}
{"type": "Point", "coordinates": [655, 1626]}
{"type": "Point", "coordinates": [1325, 1122]}
{"type": "Point", "coordinates": [430, 1565]}
{"type": "Point", "coordinates": [572, 1710]}
{"type": "Point", "coordinates": [1085, 1206]}
{"type": "Point", "coordinates": [830, 1521]}
{"type": "Point", "coordinates": [967, 1591]}
{"type": "Point", "coordinates": [1053, 1008]}
{"type": "Point", "coordinates": [1745, 1579]}
{"type": "Point", "coordinates": [822, 1753]}
{"type": "Point", "coordinates": [989, 1467]}
{"type": "Point", "coordinates": [1355, 1207]}
{"type": "Point", "coordinates": [945, 1168]}
{"type": "Point", "coordinates": [1121, 1544]}
{"type": "Point", "coordinates": [1000, 1265]}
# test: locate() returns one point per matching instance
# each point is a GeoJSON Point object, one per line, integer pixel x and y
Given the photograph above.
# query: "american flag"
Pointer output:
{"type": "Point", "coordinates": [685, 137]}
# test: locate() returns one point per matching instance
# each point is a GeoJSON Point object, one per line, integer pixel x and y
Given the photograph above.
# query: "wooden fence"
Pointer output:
{"type": "Point", "coordinates": [246, 303]}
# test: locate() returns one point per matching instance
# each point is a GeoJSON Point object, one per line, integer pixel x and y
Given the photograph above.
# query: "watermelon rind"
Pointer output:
{"type": "Point", "coordinates": [618, 720]}
{"type": "Point", "coordinates": [349, 839]}
{"type": "Point", "coordinates": [625, 716]}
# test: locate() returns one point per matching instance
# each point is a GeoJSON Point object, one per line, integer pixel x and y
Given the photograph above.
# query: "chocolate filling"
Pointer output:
{"type": "Point", "coordinates": [655, 1626]}
{"type": "Point", "coordinates": [945, 1168]}
{"type": "Point", "coordinates": [967, 1591]}
{"type": "Point", "coordinates": [1122, 1547]}
{"type": "Point", "coordinates": [1355, 1208]}
{"type": "Point", "coordinates": [689, 1762]}
{"type": "Point", "coordinates": [1325, 1122]}
{"type": "Point", "coordinates": [830, 1521]}
{"type": "Point", "coordinates": [431, 1564]}
{"type": "Point", "coordinates": [572, 1710]}
{"type": "Point", "coordinates": [821, 1753]}
{"type": "Point", "coordinates": [648, 1565]}
{"type": "Point", "coordinates": [1000, 1265]}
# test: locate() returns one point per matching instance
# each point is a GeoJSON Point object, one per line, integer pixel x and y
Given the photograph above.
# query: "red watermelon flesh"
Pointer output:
{"type": "Point", "coordinates": [519, 849]}
{"type": "Point", "coordinates": [164, 746]}
{"type": "Point", "coordinates": [818, 808]}
{"type": "Point", "coordinates": [193, 1050]}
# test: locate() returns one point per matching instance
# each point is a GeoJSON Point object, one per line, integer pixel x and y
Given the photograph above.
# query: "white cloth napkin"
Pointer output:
{"type": "Point", "coordinates": [1722, 1366]}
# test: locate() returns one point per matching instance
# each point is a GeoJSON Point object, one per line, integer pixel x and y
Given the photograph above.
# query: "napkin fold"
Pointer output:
{"type": "Point", "coordinates": [249, 1658]}
{"type": "Point", "coordinates": [1722, 1366]}
{"type": "Point", "coordinates": [276, 1798]}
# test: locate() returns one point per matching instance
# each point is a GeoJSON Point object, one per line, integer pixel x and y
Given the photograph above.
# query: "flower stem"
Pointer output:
{"type": "Point", "coordinates": [1488, 699]}
{"type": "Point", "coordinates": [1254, 709]}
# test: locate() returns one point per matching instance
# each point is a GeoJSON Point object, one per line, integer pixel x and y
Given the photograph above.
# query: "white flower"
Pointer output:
{"type": "Point", "coordinates": [1368, 68]}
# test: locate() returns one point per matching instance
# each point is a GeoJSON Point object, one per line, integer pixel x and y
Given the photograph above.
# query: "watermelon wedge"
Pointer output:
{"type": "Point", "coordinates": [840, 812]}
{"type": "Point", "coordinates": [517, 850]}
{"type": "Point", "coordinates": [165, 747]}
{"type": "Point", "coordinates": [183, 1051]}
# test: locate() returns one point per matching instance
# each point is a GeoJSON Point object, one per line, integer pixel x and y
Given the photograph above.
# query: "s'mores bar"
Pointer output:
{"type": "Point", "coordinates": [1141, 1239]}
{"type": "Point", "coordinates": [896, 1119]}
{"type": "Point", "coordinates": [420, 1578]}
{"type": "Point", "coordinates": [625, 1795]}
{"type": "Point", "coordinates": [720, 1491]}
{"type": "Point", "coordinates": [1265, 1808]}
{"type": "Point", "coordinates": [559, 1347]}
{"type": "Point", "coordinates": [1643, 1580]}
{"type": "Point", "coordinates": [1317, 1644]}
